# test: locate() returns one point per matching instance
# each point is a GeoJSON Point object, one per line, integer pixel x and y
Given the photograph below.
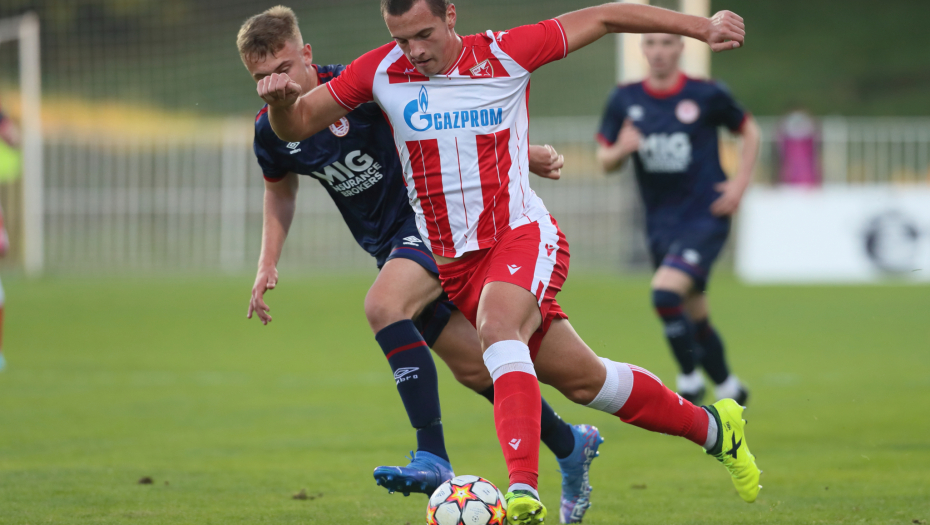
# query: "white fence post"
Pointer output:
{"type": "Point", "coordinates": [835, 134]}
{"type": "Point", "coordinates": [233, 196]}
{"type": "Point", "coordinates": [33, 184]}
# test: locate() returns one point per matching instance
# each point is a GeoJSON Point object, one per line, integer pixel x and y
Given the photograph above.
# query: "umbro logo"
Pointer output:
{"type": "Point", "coordinates": [293, 147]}
{"type": "Point", "coordinates": [549, 249]}
{"type": "Point", "coordinates": [515, 443]}
{"type": "Point", "coordinates": [513, 268]}
{"type": "Point", "coordinates": [413, 241]}
{"type": "Point", "coordinates": [732, 451]}
{"type": "Point", "coordinates": [404, 374]}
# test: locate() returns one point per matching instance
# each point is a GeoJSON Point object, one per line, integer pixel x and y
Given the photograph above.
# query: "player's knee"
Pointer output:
{"type": "Point", "coordinates": [665, 301]}
{"type": "Point", "coordinates": [492, 329]}
{"type": "Point", "coordinates": [381, 312]}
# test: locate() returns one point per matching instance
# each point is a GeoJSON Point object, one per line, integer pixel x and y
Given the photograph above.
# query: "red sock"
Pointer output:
{"type": "Point", "coordinates": [517, 406]}
{"type": "Point", "coordinates": [654, 407]}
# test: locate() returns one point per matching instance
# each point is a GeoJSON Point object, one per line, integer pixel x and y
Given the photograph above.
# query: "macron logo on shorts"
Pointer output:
{"type": "Point", "coordinates": [513, 268]}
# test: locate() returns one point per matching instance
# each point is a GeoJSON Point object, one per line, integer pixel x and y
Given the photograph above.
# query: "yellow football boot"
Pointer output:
{"type": "Point", "coordinates": [524, 509]}
{"type": "Point", "coordinates": [732, 449]}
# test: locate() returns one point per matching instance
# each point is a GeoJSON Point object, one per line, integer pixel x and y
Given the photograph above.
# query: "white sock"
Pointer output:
{"type": "Point", "coordinates": [523, 486]}
{"type": "Point", "coordinates": [691, 383]}
{"type": "Point", "coordinates": [616, 389]}
{"type": "Point", "coordinates": [711, 431]}
{"type": "Point", "coordinates": [508, 356]}
{"type": "Point", "coordinates": [729, 389]}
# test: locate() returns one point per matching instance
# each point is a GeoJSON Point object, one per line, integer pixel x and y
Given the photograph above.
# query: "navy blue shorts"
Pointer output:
{"type": "Point", "coordinates": [407, 244]}
{"type": "Point", "coordinates": [692, 249]}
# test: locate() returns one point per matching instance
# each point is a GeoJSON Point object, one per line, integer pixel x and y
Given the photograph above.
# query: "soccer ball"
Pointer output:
{"type": "Point", "coordinates": [466, 500]}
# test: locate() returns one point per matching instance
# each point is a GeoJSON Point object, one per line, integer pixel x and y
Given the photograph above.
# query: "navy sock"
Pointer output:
{"type": "Point", "coordinates": [678, 328]}
{"type": "Point", "coordinates": [417, 384]}
{"type": "Point", "coordinates": [554, 432]}
{"type": "Point", "coordinates": [714, 360]}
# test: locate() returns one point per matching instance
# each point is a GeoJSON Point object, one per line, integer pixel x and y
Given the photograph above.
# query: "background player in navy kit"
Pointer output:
{"type": "Point", "coordinates": [668, 123]}
{"type": "Point", "coordinates": [356, 161]}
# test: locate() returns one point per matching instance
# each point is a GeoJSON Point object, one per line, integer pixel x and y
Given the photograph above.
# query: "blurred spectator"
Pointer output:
{"type": "Point", "coordinates": [10, 134]}
{"type": "Point", "coordinates": [799, 149]}
{"type": "Point", "coordinates": [8, 130]}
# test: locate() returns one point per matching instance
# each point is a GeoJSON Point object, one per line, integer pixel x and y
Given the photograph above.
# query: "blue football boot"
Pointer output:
{"type": "Point", "coordinates": [424, 474]}
{"type": "Point", "coordinates": [576, 491]}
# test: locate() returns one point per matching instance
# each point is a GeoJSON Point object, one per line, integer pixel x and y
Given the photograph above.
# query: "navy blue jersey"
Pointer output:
{"type": "Point", "coordinates": [355, 160]}
{"type": "Point", "coordinates": [678, 164]}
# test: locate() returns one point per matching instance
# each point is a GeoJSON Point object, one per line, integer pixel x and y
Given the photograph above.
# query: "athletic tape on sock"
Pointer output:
{"type": "Point", "coordinates": [508, 356]}
{"type": "Point", "coordinates": [616, 389]}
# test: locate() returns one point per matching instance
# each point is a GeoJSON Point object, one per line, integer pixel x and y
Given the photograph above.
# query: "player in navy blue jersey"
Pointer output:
{"type": "Point", "coordinates": [356, 162]}
{"type": "Point", "coordinates": [668, 124]}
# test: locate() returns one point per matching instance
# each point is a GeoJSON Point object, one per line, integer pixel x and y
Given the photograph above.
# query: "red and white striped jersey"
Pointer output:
{"type": "Point", "coordinates": [462, 135]}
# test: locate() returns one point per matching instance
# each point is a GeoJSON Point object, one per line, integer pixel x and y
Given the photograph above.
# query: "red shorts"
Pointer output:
{"type": "Point", "coordinates": [533, 257]}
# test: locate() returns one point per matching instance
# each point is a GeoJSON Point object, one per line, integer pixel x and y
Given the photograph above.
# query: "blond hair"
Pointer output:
{"type": "Point", "coordinates": [267, 33]}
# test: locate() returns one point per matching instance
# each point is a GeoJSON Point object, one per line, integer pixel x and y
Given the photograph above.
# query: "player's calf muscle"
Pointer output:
{"type": "Point", "coordinates": [459, 348]}
{"type": "Point", "coordinates": [566, 363]}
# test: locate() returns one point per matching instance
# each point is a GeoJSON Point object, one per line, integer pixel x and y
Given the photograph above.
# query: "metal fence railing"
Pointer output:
{"type": "Point", "coordinates": [193, 202]}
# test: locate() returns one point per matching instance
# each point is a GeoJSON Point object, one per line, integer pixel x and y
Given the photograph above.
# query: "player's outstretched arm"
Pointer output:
{"type": "Point", "coordinates": [724, 31]}
{"type": "Point", "coordinates": [278, 213]}
{"type": "Point", "coordinates": [293, 117]}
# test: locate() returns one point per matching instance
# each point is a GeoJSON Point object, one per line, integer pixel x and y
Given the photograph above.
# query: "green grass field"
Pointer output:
{"type": "Point", "coordinates": [110, 381]}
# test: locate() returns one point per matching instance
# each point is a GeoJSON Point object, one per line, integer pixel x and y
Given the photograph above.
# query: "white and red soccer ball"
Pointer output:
{"type": "Point", "coordinates": [466, 500]}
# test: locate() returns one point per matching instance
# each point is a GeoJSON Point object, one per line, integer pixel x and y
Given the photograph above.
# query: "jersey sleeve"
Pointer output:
{"type": "Point", "coordinates": [271, 170]}
{"type": "Point", "coordinates": [354, 86]}
{"type": "Point", "coordinates": [534, 46]}
{"type": "Point", "coordinates": [725, 110]}
{"type": "Point", "coordinates": [612, 120]}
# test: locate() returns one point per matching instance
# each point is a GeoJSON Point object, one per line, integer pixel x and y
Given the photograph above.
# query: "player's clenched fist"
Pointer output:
{"type": "Point", "coordinates": [725, 31]}
{"type": "Point", "coordinates": [278, 90]}
{"type": "Point", "coordinates": [629, 139]}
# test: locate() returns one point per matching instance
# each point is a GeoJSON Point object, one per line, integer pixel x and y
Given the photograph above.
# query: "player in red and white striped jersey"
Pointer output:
{"type": "Point", "coordinates": [458, 107]}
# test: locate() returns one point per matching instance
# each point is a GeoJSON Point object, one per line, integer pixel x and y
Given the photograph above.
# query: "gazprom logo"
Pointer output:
{"type": "Point", "coordinates": [411, 109]}
{"type": "Point", "coordinates": [465, 118]}
{"type": "Point", "coordinates": [424, 99]}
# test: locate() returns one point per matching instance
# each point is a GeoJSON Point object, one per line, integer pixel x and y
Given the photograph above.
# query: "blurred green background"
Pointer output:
{"type": "Point", "coordinates": [856, 57]}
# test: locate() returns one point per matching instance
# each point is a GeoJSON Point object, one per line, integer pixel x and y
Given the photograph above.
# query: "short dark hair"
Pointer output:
{"type": "Point", "coordinates": [399, 7]}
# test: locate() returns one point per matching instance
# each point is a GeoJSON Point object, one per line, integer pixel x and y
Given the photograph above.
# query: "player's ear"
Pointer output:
{"type": "Point", "coordinates": [450, 17]}
{"type": "Point", "coordinates": [307, 55]}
